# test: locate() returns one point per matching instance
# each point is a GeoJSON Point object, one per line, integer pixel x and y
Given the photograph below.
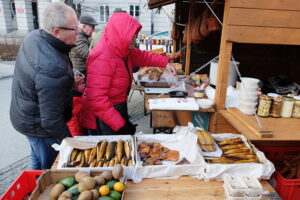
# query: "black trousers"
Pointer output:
{"type": "Point", "coordinates": [103, 129]}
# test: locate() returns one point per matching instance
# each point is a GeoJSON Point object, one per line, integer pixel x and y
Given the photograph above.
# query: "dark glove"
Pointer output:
{"type": "Point", "coordinates": [127, 129]}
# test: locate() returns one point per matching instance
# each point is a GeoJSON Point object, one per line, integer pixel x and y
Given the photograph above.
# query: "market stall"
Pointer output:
{"type": "Point", "coordinates": [195, 163]}
{"type": "Point", "coordinates": [256, 33]}
{"type": "Point", "coordinates": [143, 182]}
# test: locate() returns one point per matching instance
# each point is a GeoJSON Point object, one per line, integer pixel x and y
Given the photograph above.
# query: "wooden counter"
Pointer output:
{"type": "Point", "coordinates": [170, 118]}
{"type": "Point", "coordinates": [282, 129]}
{"type": "Point", "coordinates": [184, 188]}
{"type": "Point", "coordinates": [152, 96]}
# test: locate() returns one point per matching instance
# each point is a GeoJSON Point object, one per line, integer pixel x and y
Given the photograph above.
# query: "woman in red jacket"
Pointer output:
{"type": "Point", "coordinates": [109, 72]}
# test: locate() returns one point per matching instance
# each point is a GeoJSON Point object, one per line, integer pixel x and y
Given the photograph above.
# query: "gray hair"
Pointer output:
{"type": "Point", "coordinates": [55, 16]}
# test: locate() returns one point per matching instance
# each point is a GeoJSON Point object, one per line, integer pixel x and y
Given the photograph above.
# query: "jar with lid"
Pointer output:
{"type": "Point", "coordinates": [198, 93]}
{"type": "Point", "coordinates": [296, 110]}
{"type": "Point", "coordinates": [276, 107]}
{"type": "Point", "coordinates": [264, 106]}
{"type": "Point", "coordinates": [287, 107]}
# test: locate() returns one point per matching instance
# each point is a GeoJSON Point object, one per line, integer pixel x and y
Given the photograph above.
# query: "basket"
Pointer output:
{"type": "Point", "coordinates": [22, 186]}
{"type": "Point", "coordinates": [288, 189]}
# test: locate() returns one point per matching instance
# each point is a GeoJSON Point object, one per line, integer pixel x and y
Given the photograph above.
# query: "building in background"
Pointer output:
{"type": "Point", "coordinates": [18, 17]}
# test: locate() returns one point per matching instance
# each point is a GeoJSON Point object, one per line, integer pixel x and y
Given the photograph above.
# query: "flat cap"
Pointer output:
{"type": "Point", "coordinates": [87, 19]}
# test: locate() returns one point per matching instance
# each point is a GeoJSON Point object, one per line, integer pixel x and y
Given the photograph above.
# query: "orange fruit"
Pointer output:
{"type": "Point", "coordinates": [119, 187]}
{"type": "Point", "coordinates": [104, 190]}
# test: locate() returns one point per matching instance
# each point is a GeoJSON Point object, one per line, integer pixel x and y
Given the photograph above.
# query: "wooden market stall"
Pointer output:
{"type": "Point", "coordinates": [181, 188]}
{"type": "Point", "coordinates": [278, 24]}
{"type": "Point", "coordinates": [264, 37]}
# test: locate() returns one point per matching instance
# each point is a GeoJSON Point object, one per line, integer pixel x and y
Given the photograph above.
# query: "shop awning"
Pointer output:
{"type": "Point", "coordinates": [158, 3]}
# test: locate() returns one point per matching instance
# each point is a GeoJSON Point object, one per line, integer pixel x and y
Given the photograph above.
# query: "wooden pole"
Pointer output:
{"type": "Point", "coordinates": [176, 19]}
{"type": "Point", "coordinates": [223, 70]}
{"type": "Point", "coordinates": [189, 48]}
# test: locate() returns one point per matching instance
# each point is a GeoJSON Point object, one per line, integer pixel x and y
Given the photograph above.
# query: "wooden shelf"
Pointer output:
{"type": "Point", "coordinates": [282, 129]}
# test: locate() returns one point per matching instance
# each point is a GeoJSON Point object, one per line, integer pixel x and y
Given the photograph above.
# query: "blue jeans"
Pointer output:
{"type": "Point", "coordinates": [42, 154]}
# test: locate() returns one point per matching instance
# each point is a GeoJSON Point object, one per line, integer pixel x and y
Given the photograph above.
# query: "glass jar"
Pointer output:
{"type": "Point", "coordinates": [287, 107]}
{"type": "Point", "coordinates": [276, 107]}
{"type": "Point", "coordinates": [264, 106]}
{"type": "Point", "coordinates": [198, 93]}
{"type": "Point", "coordinates": [296, 110]}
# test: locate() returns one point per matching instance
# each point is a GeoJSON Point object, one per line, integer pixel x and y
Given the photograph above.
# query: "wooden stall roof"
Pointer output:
{"type": "Point", "coordinates": [263, 22]}
{"type": "Point", "coordinates": [158, 3]}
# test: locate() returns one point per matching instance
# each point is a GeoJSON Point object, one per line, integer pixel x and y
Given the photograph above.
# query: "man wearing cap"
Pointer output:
{"type": "Point", "coordinates": [80, 52]}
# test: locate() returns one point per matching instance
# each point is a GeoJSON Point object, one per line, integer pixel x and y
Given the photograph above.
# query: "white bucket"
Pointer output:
{"type": "Point", "coordinates": [232, 76]}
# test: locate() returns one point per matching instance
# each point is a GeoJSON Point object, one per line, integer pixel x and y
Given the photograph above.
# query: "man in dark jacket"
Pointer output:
{"type": "Point", "coordinates": [81, 51]}
{"type": "Point", "coordinates": [43, 82]}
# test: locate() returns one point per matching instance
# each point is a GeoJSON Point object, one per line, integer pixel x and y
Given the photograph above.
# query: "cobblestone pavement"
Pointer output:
{"type": "Point", "coordinates": [11, 172]}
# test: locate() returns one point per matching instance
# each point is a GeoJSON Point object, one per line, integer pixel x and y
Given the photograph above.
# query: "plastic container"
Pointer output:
{"type": "Point", "coordinates": [247, 111]}
{"type": "Point", "coordinates": [246, 88]}
{"type": "Point", "coordinates": [250, 95]}
{"type": "Point", "coordinates": [248, 100]}
{"type": "Point", "coordinates": [22, 186]}
{"type": "Point", "coordinates": [229, 197]}
{"type": "Point", "coordinates": [273, 95]}
{"type": "Point", "coordinates": [287, 107]}
{"type": "Point", "coordinates": [247, 105]}
{"type": "Point", "coordinates": [205, 103]}
{"type": "Point", "coordinates": [235, 186]}
{"type": "Point", "coordinates": [288, 189]}
{"type": "Point", "coordinates": [253, 198]}
{"type": "Point", "coordinates": [296, 109]}
{"type": "Point", "coordinates": [232, 75]}
{"type": "Point", "coordinates": [264, 106]}
{"type": "Point", "coordinates": [250, 82]}
{"type": "Point", "coordinates": [254, 188]}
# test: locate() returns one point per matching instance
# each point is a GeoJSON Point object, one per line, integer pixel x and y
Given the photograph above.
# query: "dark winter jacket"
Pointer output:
{"type": "Point", "coordinates": [42, 87]}
{"type": "Point", "coordinates": [80, 52]}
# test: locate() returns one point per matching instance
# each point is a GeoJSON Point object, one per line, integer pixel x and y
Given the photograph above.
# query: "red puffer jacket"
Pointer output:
{"type": "Point", "coordinates": [107, 75]}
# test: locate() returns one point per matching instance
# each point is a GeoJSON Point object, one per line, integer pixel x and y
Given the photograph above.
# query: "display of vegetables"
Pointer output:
{"type": "Point", "coordinates": [82, 186]}
{"type": "Point", "coordinates": [105, 154]}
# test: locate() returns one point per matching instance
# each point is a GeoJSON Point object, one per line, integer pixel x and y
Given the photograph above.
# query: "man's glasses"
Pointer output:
{"type": "Point", "coordinates": [70, 29]}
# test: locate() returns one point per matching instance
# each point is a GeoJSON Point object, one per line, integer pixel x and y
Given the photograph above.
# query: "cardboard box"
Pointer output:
{"type": "Point", "coordinates": [47, 180]}
{"type": "Point", "coordinates": [88, 142]}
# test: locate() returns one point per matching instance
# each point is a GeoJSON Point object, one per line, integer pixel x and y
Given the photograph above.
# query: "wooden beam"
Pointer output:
{"type": "Point", "coordinates": [218, 124]}
{"type": "Point", "coordinates": [176, 20]}
{"type": "Point", "coordinates": [267, 4]}
{"type": "Point", "coordinates": [224, 62]}
{"type": "Point", "coordinates": [264, 18]}
{"type": "Point", "coordinates": [189, 48]}
{"type": "Point", "coordinates": [263, 35]}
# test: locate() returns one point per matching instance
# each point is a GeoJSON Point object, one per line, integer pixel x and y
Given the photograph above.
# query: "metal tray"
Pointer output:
{"type": "Point", "coordinates": [151, 83]}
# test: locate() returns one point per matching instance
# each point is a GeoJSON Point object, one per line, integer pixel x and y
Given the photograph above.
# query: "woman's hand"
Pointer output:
{"type": "Point", "coordinates": [171, 69]}
{"type": "Point", "coordinates": [79, 84]}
